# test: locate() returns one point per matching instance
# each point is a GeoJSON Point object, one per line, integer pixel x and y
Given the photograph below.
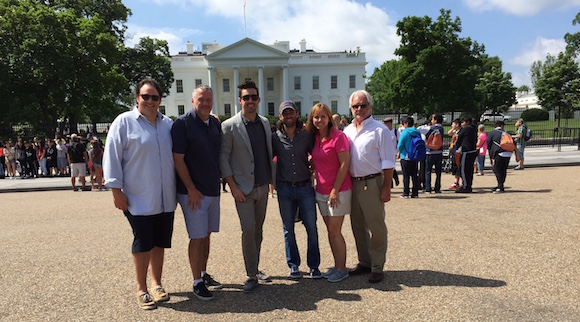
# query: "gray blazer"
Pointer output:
{"type": "Point", "coordinates": [236, 156]}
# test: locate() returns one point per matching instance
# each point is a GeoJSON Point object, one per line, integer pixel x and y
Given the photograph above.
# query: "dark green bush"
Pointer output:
{"type": "Point", "coordinates": [535, 114]}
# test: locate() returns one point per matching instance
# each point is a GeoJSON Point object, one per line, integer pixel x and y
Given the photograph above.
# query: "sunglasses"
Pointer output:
{"type": "Point", "coordinates": [146, 97]}
{"type": "Point", "coordinates": [246, 98]}
{"type": "Point", "coordinates": [359, 106]}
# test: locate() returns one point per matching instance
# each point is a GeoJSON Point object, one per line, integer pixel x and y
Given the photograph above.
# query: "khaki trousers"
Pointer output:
{"type": "Point", "coordinates": [368, 223]}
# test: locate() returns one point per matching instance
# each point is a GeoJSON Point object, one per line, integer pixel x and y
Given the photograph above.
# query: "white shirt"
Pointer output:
{"type": "Point", "coordinates": [371, 148]}
{"type": "Point", "coordinates": [138, 159]}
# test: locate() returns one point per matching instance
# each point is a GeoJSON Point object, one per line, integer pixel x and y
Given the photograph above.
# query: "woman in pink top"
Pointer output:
{"type": "Point", "coordinates": [331, 159]}
{"type": "Point", "coordinates": [482, 146]}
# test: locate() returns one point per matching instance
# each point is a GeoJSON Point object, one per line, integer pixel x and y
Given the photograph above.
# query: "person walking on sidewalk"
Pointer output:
{"type": "Point", "coordinates": [520, 141]}
{"type": "Point", "coordinates": [196, 148]}
{"type": "Point", "coordinates": [500, 157]}
{"type": "Point", "coordinates": [139, 169]}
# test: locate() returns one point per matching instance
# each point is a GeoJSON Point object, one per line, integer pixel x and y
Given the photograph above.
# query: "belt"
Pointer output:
{"type": "Point", "coordinates": [303, 183]}
{"type": "Point", "coordinates": [370, 176]}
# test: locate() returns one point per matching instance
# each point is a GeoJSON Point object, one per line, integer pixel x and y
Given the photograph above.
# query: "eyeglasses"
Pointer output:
{"type": "Point", "coordinates": [246, 98]}
{"type": "Point", "coordinates": [146, 97]}
{"type": "Point", "coordinates": [359, 106]}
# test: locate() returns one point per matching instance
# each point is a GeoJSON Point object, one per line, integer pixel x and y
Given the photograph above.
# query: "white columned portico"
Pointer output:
{"type": "Point", "coordinates": [285, 83]}
{"type": "Point", "coordinates": [210, 73]}
{"type": "Point", "coordinates": [235, 89]}
{"type": "Point", "coordinates": [261, 88]}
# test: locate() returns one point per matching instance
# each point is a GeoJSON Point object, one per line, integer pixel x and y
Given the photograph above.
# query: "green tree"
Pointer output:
{"type": "Point", "coordinates": [539, 67]}
{"type": "Point", "coordinates": [558, 88]}
{"type": "Point", "coordinates": [495, 89]}
{"type": "Point", "coordinates": [442, 69]}
{"type": "Point", "coordinates": [573, 40]}
{"type": "Point", "coordinates": [149, 58]}
{"type": "Point", "coordinates": [524, 88]}
{"type": "Point", "coordinates": [381, 85]}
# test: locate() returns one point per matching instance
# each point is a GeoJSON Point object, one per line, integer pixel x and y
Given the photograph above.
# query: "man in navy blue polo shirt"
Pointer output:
{"type": "Point", "coordinates": [196, 146]}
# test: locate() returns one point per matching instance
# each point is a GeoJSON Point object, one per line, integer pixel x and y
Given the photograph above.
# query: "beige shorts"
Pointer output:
{"type": "Point", "coordinates": [78, 169]}
{"type": "Point", "coordinates": [342, 209]}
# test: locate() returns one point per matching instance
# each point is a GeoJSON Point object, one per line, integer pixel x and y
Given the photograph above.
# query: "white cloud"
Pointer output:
{"type": "Point", "coordinates": [174, 37]}
{"type": "Point", "coordinates": [538, 51]}
{"type": "Point", "coordinates": [326, 25]}
{"type": "Point", "coordinates": [520, 7]}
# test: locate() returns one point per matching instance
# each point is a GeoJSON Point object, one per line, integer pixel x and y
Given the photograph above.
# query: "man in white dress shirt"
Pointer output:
{"type": "Point", "coordinates": [372, 160]}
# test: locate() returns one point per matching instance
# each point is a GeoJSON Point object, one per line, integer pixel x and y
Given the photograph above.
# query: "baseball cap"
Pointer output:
{"type": "Point", "coordinates": [285, 105]}
{"type": "Point", "coordinates": [73, 136]}
{"type": "Point", "coordinates": [388, 119]}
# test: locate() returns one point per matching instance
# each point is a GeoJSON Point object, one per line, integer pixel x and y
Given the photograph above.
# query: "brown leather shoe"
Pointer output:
{"type": "Point", "coordinates": [359, 270]}
{"type": "Point", "coordinates": [375, 277]}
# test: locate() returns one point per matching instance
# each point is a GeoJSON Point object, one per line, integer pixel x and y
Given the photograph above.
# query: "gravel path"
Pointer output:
{"type": "Point", "coordinates": [511, 257]}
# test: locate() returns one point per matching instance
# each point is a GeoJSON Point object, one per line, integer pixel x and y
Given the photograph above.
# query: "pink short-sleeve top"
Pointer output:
{"type": "Point", "coordinates": [326, 164]}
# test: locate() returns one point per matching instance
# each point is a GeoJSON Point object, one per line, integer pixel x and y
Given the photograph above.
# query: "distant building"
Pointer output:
{"type": "Point", "coordinates": [301, 75]}
{"type": "Point", "coordinates": [526, 100]}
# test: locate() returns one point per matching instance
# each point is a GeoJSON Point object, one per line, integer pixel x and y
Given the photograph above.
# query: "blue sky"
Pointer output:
{"type": "Point", "coordinates": [519, 32]}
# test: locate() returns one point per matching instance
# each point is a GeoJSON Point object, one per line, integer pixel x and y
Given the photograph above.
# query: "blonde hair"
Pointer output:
{"type": "Point", "coordinates": [310, 124]}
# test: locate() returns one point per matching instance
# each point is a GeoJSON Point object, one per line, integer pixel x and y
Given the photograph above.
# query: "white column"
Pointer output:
{"type": "Point", "coordinates": [261, 88]}
{"type": "Point", "coordinates": [211, 72]}
{"type": "Point", "coordinates": [285, 83]}
{"type": "Point", "coordinates": [235, 89]}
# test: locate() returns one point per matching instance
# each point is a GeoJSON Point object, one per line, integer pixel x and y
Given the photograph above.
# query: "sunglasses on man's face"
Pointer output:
{"type": "Point", "coordinates": [146, 97]}
{"type": "Point", "coordinates": [246, 98]}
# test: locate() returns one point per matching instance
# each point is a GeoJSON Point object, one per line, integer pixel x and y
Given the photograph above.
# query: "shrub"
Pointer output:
{"type": "Point", "coordinates": [535, 114]}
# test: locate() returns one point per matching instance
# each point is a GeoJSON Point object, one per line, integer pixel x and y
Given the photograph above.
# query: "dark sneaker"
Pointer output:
{"type": "Point", "coordinates": [359, 270]}
{"type": "Point", "coordinates": [329, 272]}
{"type": "Point", "coordinates": [295, 273]}
{"type": "Point", "coordinates": [159, 294]}
{"type": "Point", "coordinates": [263, 277]}
{"type": "Point", "coordinates": [315, 273]}
{"type": "Point", "coordinates": [202, 293]}
{"type": "Point", "coordinates": [250, 285]}
{"type": "Point", "coordinates": [211, 283]}
{"type": "Point", "coordinates": [146, 302]}
{"type": "Point", "coordinates": [498, 190]}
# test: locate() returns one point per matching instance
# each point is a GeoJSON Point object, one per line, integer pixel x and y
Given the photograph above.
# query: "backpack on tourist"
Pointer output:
{"type": "Point", "coordinates": [417, 149]}
{"type": "Point", "coordinates": [507, 142]}
{"type": "Point", "coordinates": [527, 133]}
{"type": "Point", "coordinates": [435, 140]}
{"type": "Point", "coordinates": [76, 152]}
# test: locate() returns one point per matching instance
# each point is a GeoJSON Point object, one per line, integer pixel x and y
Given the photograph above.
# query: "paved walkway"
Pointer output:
{"type": "Point", "coordinates": [535, 157]}
{"type": "Point", "coordinates": [482, 256]}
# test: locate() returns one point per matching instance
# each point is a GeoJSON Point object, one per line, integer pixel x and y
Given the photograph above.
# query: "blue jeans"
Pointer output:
{"type": "Point", "coordinates": [430, 161]}
{"type": "Point", "coordinates": [480, 163]}
{"type": "Point", "coordinates": [290, 199]}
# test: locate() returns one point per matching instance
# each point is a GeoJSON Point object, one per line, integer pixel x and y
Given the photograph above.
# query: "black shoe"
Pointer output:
{"type": "Point", "coordinates": [463, 190]}
{"type": "Point", "coordinates": [250, 285]}
{"type": "Point", "coordinates": [494, 189]}
{"type": "Point", "coordinates": [211, 283]}
{"type": "Point", "coordinates": [499, 190]}
{"type": "Point", "coordinates": [359, 270]}
{"type": "Point", "coordinates": [202, 293]}
{"type": "Point", "coordinates": [375, 277]}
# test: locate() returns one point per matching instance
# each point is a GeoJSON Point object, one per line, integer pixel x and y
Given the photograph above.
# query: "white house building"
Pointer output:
{"type": "Point", "coordinates": [301, 75]}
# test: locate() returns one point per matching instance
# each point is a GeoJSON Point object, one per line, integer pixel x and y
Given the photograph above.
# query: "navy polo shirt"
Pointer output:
{"type": "Point", "coordinates": [201, 143]}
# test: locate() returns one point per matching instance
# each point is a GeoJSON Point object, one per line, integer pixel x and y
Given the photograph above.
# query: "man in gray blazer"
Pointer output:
{"type": "Point", "coordinates": [246, 165]}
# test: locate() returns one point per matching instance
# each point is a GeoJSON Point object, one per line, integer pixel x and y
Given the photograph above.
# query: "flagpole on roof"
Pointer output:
{"type": "Point", "coordinates": [245, 33]}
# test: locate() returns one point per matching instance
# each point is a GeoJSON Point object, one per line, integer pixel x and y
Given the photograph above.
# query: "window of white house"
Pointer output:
{"type": "Point", "coordinates": [228, 109]}
{"type": "Point", "coordinates": [352, 81]}
{"type": "Point", "coordinates": [333, 82]}
{"type": "Point", "coordinates": [296, 83]}
{"type": "Point", "coordinates": [226, 82]}
{"type": "Point", "coordinates": [179, 85]}
{"type": "Point", "coordinates": [298, 108]}
{"type": "Point", "coordinates": [197, 82]}
{"type": "Point", "coordinates": [180, 109]}
{"type": "Point", "coordinates": [162, 109]}
{"type": "Point", "coordinates": [271, 108]}
{"type": "Point", "coordinates": [334, 107]}
{"type": "Point", "coordinates": [315, 82]}
{"type": "Point", "coordinates": [270, 84]}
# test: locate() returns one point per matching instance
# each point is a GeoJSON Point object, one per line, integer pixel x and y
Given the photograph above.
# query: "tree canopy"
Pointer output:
{"type": "Point", "coordinates": [64, 59]}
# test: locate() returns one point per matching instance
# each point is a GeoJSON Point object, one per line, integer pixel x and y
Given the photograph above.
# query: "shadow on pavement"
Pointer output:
{"type": "Point", "coordinates": [304, 294]}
